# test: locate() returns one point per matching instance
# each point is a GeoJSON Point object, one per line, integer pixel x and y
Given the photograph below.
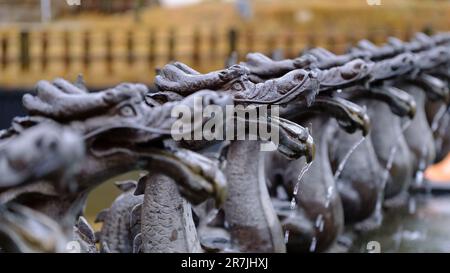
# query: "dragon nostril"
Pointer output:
{"type": "Point", "coordinates": [39, 142]}
{"type": "Point", "coordinates": [301, 77]}
{"type": "Point", "coordinates": [209, 100]}
{"type": "Point", "coordinates": [53, 145]}
{"type": "Point", "coordinates": [313, 75]}
{"type": "Point", "coordinates": [109, 96]}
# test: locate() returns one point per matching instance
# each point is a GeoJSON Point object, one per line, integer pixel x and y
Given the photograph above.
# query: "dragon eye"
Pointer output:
{"type": "Point", "coordinates": [127, 111]}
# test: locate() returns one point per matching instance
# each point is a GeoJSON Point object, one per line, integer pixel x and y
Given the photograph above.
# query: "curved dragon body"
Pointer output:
{"type": "Point", "coordinates": [121, 222]}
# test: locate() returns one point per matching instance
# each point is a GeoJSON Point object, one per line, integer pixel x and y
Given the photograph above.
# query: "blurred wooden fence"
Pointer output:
{"type": "Point", "coordinates": [106, 57]}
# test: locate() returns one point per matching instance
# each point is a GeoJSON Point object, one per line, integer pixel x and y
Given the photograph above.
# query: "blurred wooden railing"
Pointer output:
{"type": "Point", "coordinates": [108, 56]}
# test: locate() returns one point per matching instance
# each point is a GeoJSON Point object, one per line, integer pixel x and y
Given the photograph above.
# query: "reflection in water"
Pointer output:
{"type": "Point", "coordinates": [425, 230]}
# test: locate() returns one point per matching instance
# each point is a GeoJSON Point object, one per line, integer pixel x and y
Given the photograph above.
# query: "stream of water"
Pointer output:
{"type": "Point", "coordinates": [319, 224]}
{"type": "Point", "coordinates": [437, 118]}
{"type": "Point", "coordinates": [293, 205]}
{"type": "Point", "coordinates": [386, 174]}
{"type": "Point", "coordinates": [313, 245]}
{"type": "Point", "coordinates": [347, 157]}
{"type": "Point", "coordinates": [418, 179]}
{"type": "Point", "coordinates": [443, 130]}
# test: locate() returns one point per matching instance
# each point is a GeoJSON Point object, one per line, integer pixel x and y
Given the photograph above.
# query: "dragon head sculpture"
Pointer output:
{"type": "Point", "coordinates": [181, 79]}
{"type": "Point", "coordinates": [44, 152]}
{"type": "Point", "coordinates": [124, 129]}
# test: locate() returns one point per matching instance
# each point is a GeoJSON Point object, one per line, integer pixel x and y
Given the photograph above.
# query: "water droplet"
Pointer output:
{"type": "Point", "coordinates": [445, 125]}
{"type": "Point", "coordinates": [313, 246]}
{"type": "Point", "coordinates": [437, 118]}
{"type": "Point", "coordinates": [419, 178]}
{"type": "Point", "coordinates": [300, 177]}
{"type": "Point", "coordinates": [286, 236]}
{"type": "Point", "coordinates": [320, 223]}
{"type": "Point", "coordinates": [412, 205]}
{"type": "Point", "coordinates": [319, 219]}
{"type": "Point", "coordinates": [330, 190]}
{"type": "Point", "coordinates": [293, 203]}
{"type": "Point", "coordinates": [211, 215]}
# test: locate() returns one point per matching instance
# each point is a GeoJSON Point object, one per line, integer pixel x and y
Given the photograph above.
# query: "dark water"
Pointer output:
{"type": "Point", "coordinates": [423, 227]}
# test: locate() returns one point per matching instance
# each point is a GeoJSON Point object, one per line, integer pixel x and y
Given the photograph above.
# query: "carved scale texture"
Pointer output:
{"type": "Point", "coordinates": [116, 231]}
{"type": "Point", "coordinates": [167, 224]}
{"type": "Point", "coordinates": [252, 219]}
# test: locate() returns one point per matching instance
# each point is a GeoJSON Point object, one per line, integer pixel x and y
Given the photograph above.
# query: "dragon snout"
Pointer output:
{"type": "Point", "coordinates": [310, 149]}
{"type": "Point", "coordinates": [412, 106]}
{"type": "Point", "coordinates": [70, 144]}
{"type": "Point", "coordinates": [214, 98]}
{"type": "Point", "coordinates": [221, 100]}
{"type": "Point", "coordinates": [47, 147]}
{"type": "Point", "coordinates": [365, 124]}
{"type": "Point", "coordinates": [295, 141]}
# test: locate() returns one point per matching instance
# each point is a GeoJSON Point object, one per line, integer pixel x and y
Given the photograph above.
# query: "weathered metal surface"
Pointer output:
{"type": "Point", "coordinates": [227, 196]}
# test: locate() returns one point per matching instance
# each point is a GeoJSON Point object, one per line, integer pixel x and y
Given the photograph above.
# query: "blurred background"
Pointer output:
{"type": "Point", "coordinates": [112, 41]}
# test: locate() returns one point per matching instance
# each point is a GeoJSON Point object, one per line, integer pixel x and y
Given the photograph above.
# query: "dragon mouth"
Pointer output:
{"type": "Point", "coordinates": [156, 120]}
{"type": "Point", "coordinates": [197, 177]}
{"type": "Point", "coordinates": [400, 102]}
{"type": "Point", "coordinates": [435, 88]}
{"type": "Point", "coordinates": [350, 116]}
{"type": "Point", "coordinates": [295, 140]}
{"type": "Point", "coordinates": [206, 179]}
